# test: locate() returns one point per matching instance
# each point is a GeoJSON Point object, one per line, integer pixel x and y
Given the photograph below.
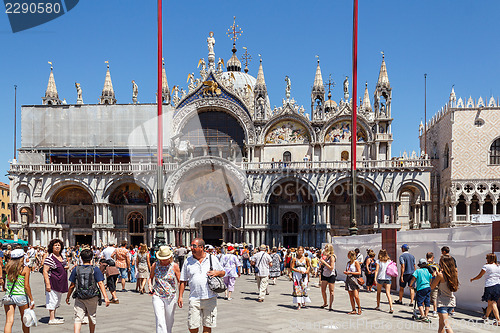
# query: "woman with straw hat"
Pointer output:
{"type": "Point", "coordinates": [163, 280]}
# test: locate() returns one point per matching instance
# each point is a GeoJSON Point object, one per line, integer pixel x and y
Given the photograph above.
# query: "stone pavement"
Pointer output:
{"type": "Point", "coordinates": [245, 314]}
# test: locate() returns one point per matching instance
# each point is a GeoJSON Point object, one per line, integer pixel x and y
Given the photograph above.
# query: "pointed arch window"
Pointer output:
{"type": "Point", "coordinates": [495, 152]}
{"type": "Point", "coordinates": [446, 161]}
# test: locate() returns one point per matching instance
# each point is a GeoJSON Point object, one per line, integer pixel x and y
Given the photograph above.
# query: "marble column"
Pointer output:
{"type": "Point", "coordinates": [481, 204]}
{"type": "Point", "coordinates": [467, 210]}
{"type": "Point", "coordinates": [494, 207]}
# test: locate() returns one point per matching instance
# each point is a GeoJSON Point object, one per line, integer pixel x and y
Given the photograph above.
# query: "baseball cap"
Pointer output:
{"type": "Point", "coordinates": [422, 261]}
{"type": "Point", "coordinates": [405, 246]}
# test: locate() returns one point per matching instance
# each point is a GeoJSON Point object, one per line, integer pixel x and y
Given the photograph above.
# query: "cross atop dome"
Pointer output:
{"type": "Point", "coordinates": [233, 64]}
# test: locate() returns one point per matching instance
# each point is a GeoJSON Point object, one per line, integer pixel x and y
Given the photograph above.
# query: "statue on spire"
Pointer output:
{"type": "Point", "coordinates": [346, 88]}
{"type": "Point", "coordinates": [211, 53]}
{"type": "Point", "coordinates": [79, 98]}
{"type": "Point", "coordinates": [288, 87]}
{"type": "Point", "coordinates": [135, 92]}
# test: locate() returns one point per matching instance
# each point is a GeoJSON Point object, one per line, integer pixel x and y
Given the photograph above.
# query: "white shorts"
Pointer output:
{"type": "Point", "coordinates": [52, 300]}
{"type": "Point", "coordinates": [202, 312]}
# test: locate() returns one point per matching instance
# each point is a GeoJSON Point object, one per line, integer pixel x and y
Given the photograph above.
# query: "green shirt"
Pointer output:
{"type": "Point", "coordinates": [18, 286]}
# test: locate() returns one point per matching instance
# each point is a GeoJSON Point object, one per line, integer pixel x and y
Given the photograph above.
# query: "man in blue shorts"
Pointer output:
{"type": "Point", "coordinates": [408, 267]}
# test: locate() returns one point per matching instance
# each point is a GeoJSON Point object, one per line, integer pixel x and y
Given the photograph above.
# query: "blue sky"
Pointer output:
{"type": "Point", "coordinates": [454, 42]}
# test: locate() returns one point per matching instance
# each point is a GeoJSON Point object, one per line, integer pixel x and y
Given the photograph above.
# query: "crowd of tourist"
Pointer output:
{"type": "Point", "coordinates": [164, 274]}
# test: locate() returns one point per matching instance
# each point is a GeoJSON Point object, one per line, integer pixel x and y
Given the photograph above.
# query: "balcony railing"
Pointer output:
{"type": "Point", "coordinates": [89, 168]}
{"type": "Point", "coordinates": [250, 166]}
{"type": "Point", "coordinates": [339, 165]}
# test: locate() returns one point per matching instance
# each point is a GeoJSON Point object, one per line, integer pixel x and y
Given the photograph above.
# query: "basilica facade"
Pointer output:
{"type": "Point", "coordinates": [234, 169]}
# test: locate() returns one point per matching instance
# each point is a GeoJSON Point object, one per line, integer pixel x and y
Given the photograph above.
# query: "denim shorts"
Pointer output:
{"type": "Point", "coordinates": [123, 273]}
{"type": "Point", "coordinates": [445, 309]}
{"type": "Point", "coordinates": [423, 297]}
{"type": "Point", "coordinates": [383, 281]}
{"type": "Point", "coordinates": [18, 300]}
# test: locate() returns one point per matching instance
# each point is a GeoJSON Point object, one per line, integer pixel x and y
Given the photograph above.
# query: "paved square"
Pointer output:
{"type": "Point", "coordinates": [245, 314]}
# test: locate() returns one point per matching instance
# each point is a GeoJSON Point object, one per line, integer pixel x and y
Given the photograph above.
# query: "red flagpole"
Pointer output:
{"type": "Point", "coordinates": [353, 225]}
{"type": "Point", "coordinates": [159, 237]}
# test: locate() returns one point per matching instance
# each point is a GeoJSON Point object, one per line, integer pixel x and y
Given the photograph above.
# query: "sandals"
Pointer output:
{"type": "Point", "coordinates": [391, 311]}
{"type": "Point", "coordinates": [377, 308]}
{"type": "Point", "coordinates": [324, 306]}
{"type": "Point", "coordinates": [352, 312]}
{"type": "Point", "coordinates": [359, 311]}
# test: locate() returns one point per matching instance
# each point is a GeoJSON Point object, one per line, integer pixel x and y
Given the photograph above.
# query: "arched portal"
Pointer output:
{"type": "Point", "coordinates": [411, 211]}
{"type": "Point", "coordinates": [73, 207]}
{"type": "Point", "coordinates": [292, 214]}
{"type": "Point", "coordinates": [339, 205]}
{"type": "Point", "coordinates": [131, 212]}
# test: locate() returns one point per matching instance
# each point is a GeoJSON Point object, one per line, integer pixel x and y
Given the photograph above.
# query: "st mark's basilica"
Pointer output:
{"type": "Point", "coordinates": [235, 169]}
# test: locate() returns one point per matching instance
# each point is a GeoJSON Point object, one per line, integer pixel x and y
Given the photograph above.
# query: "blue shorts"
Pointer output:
{"type": "Point", "coordinates": [445, 309]}
{"type": "Point", "coordinates": [384, 281]}
{"type": "Point", "coordinates": [423, 297]}
{"type": "Point", "coordinates": [18, 300]}
{"type": "Point", "coordinates": [406, 281]}
{"type": "Point", "coordinates": [123, 273]}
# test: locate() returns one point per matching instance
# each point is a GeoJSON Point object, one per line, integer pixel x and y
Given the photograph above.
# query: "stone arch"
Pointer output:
{"type": "Point", "coordinates": [291, 119]}
{"type": "Point", "coordinates": [186, 112]}
{"type": "Point", "coordinates": [423, 190]}
{"type": "Point", "coordinates": [372, 186]}
{"type": "Point", "coordinates": [58, 185]}
{"type": "Point", "coordinates": [23, 194]}
{"type": "Point", "coordinates": [362, 124]}
{"type": "Point", "coordinates": [73, 205]}
{"type": "Point", "coordinates": [339, 198]}
{"type": "Point", "coordinates": [72, 195]}
{"type": "Point", "coordinates": [111, 189]}
{"type": "Point", "coordinates": [297, 180]}
{"type": "Point", "coordinates": [226, 168]}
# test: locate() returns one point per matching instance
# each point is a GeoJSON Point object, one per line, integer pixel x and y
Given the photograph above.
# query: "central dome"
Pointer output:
{"type": "Point", "coordinates": [241, 80]}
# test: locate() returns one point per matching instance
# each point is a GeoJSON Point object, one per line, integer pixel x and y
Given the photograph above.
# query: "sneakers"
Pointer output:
{"type": "Point", "coordinates": [230, 298]}
{"type": "Point", "coordinates": [399, 302]}
{"type": "Point", "coordinates": [424, 319]}
{"type": "Point", "coordinates": [434, 314]}
{"type": "Point", "coordinates": [115, 301]}
{"type": "Point", "coordinates": [57, 321]}
{"type": "Point", "coordinates": [411, 304]}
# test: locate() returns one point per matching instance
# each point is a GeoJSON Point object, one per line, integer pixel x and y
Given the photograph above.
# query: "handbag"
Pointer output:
{"type": "Point", "coordinates": [392, 269]}
{"type": "Point", "coordinates": [360, 281]}
{"type": "Point", "coordinates": [8, 296]}
{"type": "Point", "coordinates": [216, 283]}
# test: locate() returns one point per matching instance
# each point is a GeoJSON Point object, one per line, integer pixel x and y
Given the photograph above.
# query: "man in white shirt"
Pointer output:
{"type": "Point", "coordinates": [262, 261]}
{"type": "Point", "coordinates": [108, 251]}
{"type": "Point", "coordinates": [202, 300]}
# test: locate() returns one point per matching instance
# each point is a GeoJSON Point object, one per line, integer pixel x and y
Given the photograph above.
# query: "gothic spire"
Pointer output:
{"type": "Point", "coordinates": [51, 95]}
{"type": "Point", "coordinates": [366, 99]}
{"type": "Point", "coordinates": [165, 91]}
{"type": "Point", "coordinates": [383, 78]}
{"type": "Point", "coordinates": [260, 76]}
{"type": "Point", "coordinates": [318, 79]}
{"type": "Point", "coordinates": [260, 96]}
{"type": "Point", "coordinates": [108, 94]}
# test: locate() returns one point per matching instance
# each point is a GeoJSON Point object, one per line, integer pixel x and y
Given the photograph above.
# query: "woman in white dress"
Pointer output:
{"type": "Point", "coordinates": [300, 267]}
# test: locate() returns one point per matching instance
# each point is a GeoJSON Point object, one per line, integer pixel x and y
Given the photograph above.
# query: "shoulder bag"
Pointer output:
{"type": "Point", "coordinates": [8, 296]}
{"type": "Point", "coordinates": [216, 283]}
{"type": "Point", "coordinates": [255, 268]}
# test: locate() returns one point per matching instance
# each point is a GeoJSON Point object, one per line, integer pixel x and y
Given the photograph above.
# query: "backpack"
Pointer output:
{"type": "Point", "coordinates": [245, 255]}
{"type": "Point", "coordinates": [85, 284]}
{"type": "Point", "coordinates": [392, 269]}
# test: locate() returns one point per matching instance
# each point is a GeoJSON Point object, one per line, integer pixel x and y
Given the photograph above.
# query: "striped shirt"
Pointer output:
{"type": "Point", "coordinates": [18, 287]}
{"type": "Point", "coordinates": [50, 261]}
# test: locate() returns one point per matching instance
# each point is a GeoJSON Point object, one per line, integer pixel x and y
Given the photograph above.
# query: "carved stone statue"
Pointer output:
{"type": "Point", "coordinates": [211, 43]}
{"type": "Point", "coordinates": [346, 88]}
{"type": "Point", "coordinates": [382, 109]}
{"type": "Point", "coordinates": [79, 98]}
{"type": "Point", "coordinates": [260, 108]}
{"type": "Point", "coordinates": [175, 99]}
{"type": "Point", "coordinates": [288, 87]}
{"type": "Point", "coordinates": [135, 92]}
{"type": "Point", "coordinates": [220, 65]}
